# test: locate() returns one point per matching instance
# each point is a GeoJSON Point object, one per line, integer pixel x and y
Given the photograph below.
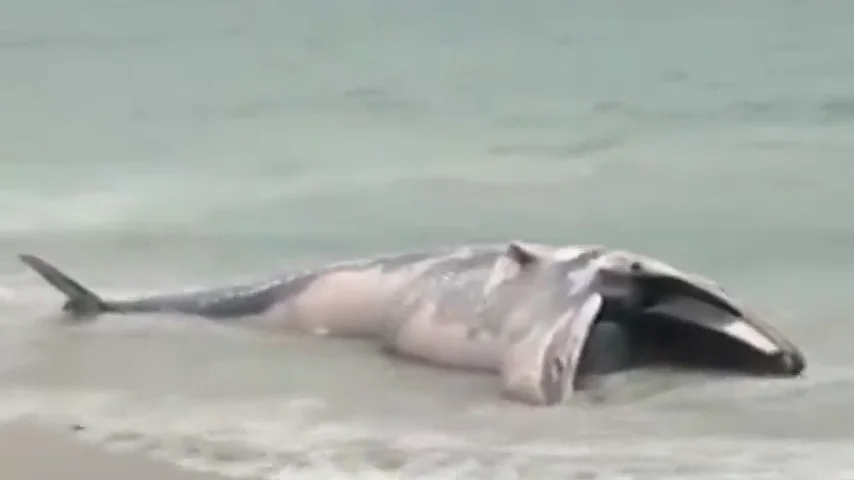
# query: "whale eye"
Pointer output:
{"type": "Point", "coordinates": [635, 267]}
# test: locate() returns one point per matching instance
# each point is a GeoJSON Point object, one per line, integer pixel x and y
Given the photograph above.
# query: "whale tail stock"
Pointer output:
{"type": "Point", "coordinates": [81, 302]}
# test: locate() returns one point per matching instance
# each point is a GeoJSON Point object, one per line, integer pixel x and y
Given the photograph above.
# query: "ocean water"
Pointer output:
{"type": "Point", "coordinates": [166, 145]}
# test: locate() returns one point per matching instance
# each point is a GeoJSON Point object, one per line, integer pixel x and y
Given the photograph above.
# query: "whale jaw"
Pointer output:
{"type": "Point", "coordinates": [685, 321]}
{"type": "Point", "coordinates": [673, 342]}
{"type": "Point", "coordinates": [712, 331]}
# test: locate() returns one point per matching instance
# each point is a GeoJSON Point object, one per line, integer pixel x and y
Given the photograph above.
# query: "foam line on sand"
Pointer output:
{"type": "Point", "coordinates": [30, 452]}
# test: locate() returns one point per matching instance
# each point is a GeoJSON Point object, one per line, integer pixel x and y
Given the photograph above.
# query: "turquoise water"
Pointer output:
{"type": "Point", "coordinates": [156, 145]}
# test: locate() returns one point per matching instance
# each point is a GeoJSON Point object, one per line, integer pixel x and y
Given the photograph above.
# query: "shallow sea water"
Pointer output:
{"type": "Point", "coordinates": [165, 145]}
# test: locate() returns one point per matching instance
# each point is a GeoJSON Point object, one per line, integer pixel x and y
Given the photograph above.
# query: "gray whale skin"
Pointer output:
{"type": "Point", "coordinates": [541, 318]}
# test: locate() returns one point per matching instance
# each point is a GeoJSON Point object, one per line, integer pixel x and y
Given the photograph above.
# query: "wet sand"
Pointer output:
{"type": "Point", "coordinates": [29, 452]}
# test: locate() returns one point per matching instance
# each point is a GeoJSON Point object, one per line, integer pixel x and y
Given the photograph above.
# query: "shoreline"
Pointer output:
{"type": "Point", "coordinates": [34, 452]}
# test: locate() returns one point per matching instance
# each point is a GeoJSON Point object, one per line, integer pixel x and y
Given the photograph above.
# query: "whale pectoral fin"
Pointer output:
{"type": "Point", "coordinates": [81, 301]}
{"type": "Point", "coordinates": [542, 366]}
{"type": "Point", "coordinates": [571, 340]}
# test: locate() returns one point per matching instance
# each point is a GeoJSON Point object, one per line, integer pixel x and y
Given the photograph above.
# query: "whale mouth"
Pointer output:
{"type": "Point", "coordinates": [700, 328]}
{"type": "Point", "coordinates": [662, 340]}
{"type": "Point", "coordinates": [684, 325]}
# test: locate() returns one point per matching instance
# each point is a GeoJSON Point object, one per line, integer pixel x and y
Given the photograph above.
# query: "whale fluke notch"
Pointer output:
{"type": "Point", "coordinates": [81, 302]}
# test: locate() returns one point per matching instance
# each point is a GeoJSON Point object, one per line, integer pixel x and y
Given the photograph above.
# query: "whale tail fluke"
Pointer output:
{"type": "Point", "coordinates": [81, 301]}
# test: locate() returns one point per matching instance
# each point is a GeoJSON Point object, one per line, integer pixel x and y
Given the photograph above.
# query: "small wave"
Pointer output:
{"type": "Point", "coordinates": [276, 439]}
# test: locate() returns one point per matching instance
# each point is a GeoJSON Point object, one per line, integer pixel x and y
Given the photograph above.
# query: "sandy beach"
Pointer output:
{"type": "Point", "coordinates": [29, 452]}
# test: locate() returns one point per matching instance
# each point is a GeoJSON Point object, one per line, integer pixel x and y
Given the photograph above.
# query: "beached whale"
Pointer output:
{"type": "Point", "coordinates": [541, 317]}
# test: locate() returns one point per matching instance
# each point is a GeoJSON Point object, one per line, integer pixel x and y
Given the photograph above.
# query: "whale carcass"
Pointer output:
{"type": "Point", "coordinates": [540, 317]}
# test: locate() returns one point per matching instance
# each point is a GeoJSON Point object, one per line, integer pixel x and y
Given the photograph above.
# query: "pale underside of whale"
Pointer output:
{"type": "Point", "coordinates": [523, 311]}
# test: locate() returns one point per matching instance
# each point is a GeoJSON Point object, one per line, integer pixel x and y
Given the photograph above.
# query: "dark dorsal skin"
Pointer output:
{"type": "Point", "coordinates": [257, 298]}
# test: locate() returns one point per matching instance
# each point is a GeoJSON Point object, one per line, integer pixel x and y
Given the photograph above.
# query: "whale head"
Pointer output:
{"type": "Point", "coordinates": [688, 321]}
{"type": "Point", "coordinates": [670, 317]}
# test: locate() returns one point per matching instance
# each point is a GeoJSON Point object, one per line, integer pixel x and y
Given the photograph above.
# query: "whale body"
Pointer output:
{"type": "Point", "coordinates": [540, 317]}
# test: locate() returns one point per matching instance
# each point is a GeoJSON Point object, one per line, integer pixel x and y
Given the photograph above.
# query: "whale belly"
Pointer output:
{"type": "Point", "coordinates": [437, 319]}
{"type": "Point", "coordinates": [348, 303]}
{"type": "Point", "coordinates": [443, 336]}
